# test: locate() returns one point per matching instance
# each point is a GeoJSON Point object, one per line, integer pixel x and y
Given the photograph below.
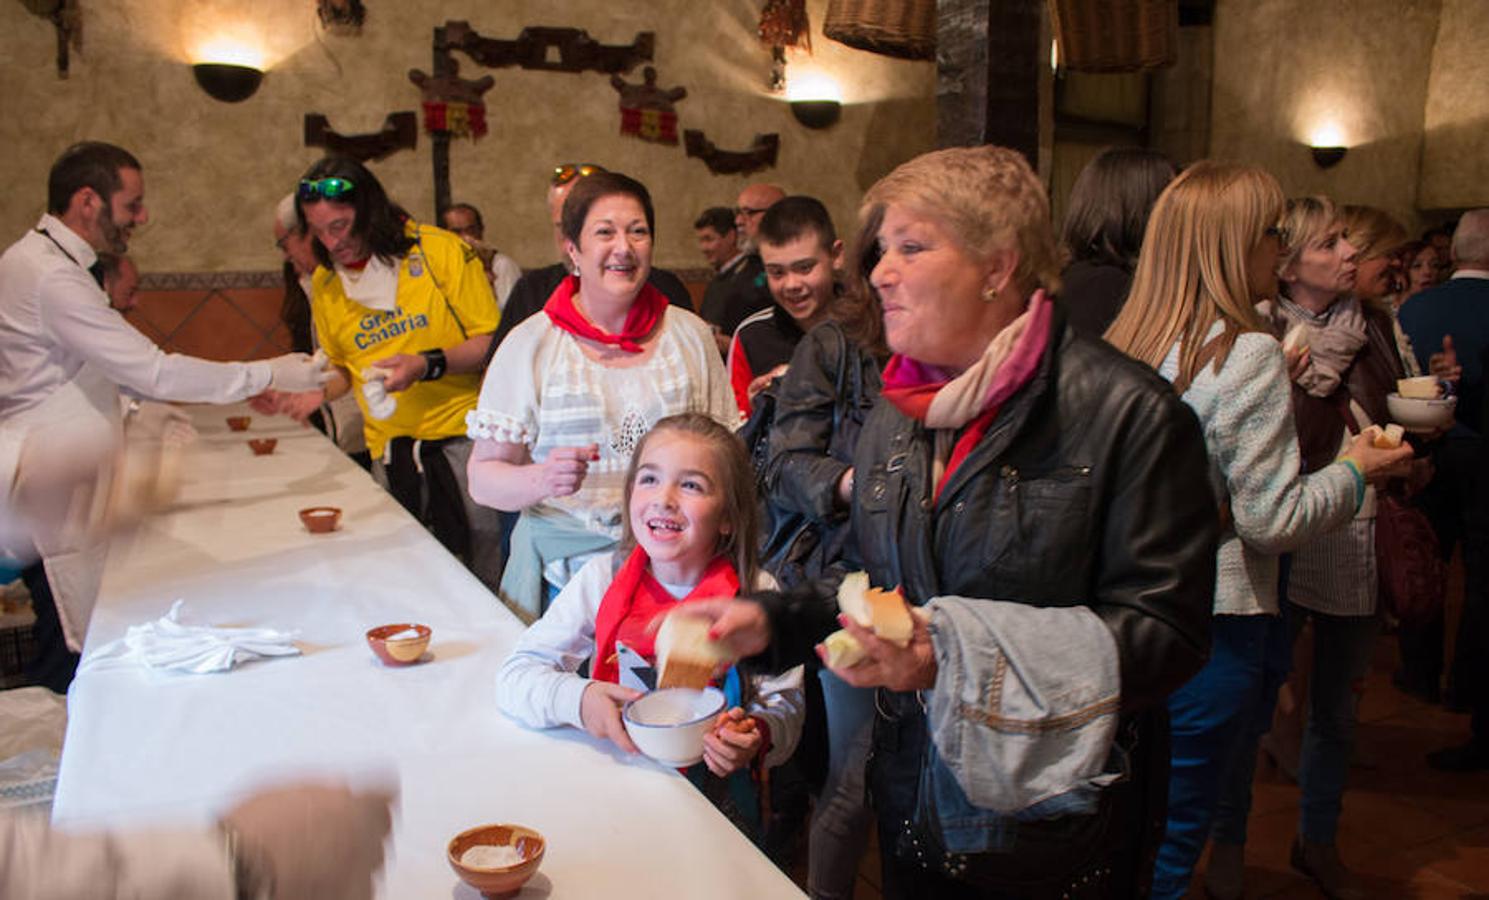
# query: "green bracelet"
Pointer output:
{"type": "Point", "coordinates": [1359, 479]}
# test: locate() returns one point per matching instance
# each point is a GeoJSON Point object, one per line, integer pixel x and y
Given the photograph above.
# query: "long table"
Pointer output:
{"type": "Point", "coordinates": [155, 747]}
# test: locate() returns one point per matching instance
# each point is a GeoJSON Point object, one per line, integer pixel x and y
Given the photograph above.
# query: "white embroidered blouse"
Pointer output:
{"type": "Point", "coordinates": [543, 391]}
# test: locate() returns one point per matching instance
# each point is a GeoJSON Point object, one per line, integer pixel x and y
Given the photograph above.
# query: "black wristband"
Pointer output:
{"type": "Point", "coordinates": [435, 364]}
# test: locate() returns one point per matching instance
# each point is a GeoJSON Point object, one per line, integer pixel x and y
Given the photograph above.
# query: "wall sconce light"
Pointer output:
{"type": "Point", "coordinates": [816, 100]}
{"type": "Point", "coordinates": [1327, 143]}
{"type": "Point", "coordinates": [1327, 157]}
{"type": "Point", "coordinates": [816, 113]}
{"type": "Point", "coordinates": [228, 82]}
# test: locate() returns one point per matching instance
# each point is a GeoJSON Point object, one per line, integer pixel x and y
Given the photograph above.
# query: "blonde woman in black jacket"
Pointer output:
{"type": "Point", "coordinates": [1047, 501]}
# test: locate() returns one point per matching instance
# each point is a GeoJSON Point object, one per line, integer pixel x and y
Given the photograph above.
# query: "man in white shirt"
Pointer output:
{"type": "Point", "coordinates": [65, 354]}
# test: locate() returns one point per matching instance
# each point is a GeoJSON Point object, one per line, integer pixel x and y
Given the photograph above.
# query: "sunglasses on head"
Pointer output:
{"type": "Point", "coordinates": [569, 171]}
{"type": "Point", "coordinates": [312, 189]}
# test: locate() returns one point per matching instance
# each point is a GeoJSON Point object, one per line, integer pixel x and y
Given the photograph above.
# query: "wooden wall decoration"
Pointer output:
{"type": "Point", "coordinates": [576, 50]}
{"type": "Point", "coordinates": [783, 23]}
{"type": "Point", "coordinates": [68, 20]}
{"type": "Point", "coordinates": [646, 111]}
{"type": "Point", "coordinates": [453, 105]}
{"type": "Point", "coordinates": [400, 131]}
{"type": "Point", "coordinates": [761, 154]}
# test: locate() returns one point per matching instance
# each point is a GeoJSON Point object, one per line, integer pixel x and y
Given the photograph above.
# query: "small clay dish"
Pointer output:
{"type": "Point", "coordinates": [503, 881]}
{"type": "Point", "coordinates": [320, 519]}
{"type": "Point", "coordinates": [262, 446]}
{"type": "Point", "coordinates": [398, 651]}
{"type": "Point", "coordinates": [239, 423]}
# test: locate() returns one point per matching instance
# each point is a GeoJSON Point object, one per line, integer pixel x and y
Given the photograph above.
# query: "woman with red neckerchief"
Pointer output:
{"type": "Point", "coordinates": [569, 393]}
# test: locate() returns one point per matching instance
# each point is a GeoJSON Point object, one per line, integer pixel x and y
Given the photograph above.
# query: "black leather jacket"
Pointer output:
{"type": "Point", "coordinates": [1091, 487]}
{"type": "Point", "coordinates": [821, 404]}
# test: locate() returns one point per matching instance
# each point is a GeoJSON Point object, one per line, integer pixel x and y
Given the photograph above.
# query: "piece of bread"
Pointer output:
{"type": "Point", "coordinates": [884, 612]}
{"type": "Point", "coordinates": [686, 656]}
{"type": "Point", "coordinates": [1422, 387]}
{"type": "Point", "coordinates": [843, 650]}
{"type": "Point", "coordinates": [1390, 437]}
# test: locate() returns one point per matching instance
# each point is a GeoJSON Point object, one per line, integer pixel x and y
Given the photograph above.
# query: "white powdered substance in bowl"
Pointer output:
{"type": "Point", "coordinates": [404, 635]}
{"type": "Point", "coordinates": [490, 856]}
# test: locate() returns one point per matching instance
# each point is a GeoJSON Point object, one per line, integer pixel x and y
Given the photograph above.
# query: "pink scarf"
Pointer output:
{"type": "Point", "coordinates": [946, 402]}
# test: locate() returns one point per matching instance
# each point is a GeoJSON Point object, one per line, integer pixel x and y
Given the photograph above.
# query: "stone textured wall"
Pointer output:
{"type": "Point", "coordinates": [1283, 68]}
{"type": "Point", "coordinates": [1455, 166]}
{"type": "Point", "coordinates": [214, 171]}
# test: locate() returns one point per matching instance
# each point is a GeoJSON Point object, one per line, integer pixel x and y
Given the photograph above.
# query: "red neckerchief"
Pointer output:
{"type": "Point", "coordinates": [635, 597]}
{"type": "Point", "coordinates": [964, 445]}
{"type": "Point", "coordinates": [646, 310]}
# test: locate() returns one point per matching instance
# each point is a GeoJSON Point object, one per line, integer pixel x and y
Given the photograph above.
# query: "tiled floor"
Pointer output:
{"type": "Point", "coordinates": [1409, 832]}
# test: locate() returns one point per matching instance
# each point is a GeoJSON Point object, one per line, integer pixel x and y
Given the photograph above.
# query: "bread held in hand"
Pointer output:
{"type": "Point", "coordinates": [885, 613]}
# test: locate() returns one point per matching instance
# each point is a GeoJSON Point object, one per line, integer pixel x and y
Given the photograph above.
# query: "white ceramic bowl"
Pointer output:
{"type": "Point", "coordinates": [669, 724]}
{"type": "Point", "coordinates": [1421, 415]}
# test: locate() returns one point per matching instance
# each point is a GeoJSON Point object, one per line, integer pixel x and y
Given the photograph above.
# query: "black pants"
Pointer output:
{"type": "Point", "coordinates": [54, 665]}
{"type": "Point", "coordinates": [1457, 503]}
{"type": "Point", "coordinates": [434, 498]}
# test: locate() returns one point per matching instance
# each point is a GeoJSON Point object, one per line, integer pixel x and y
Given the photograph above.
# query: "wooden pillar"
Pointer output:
{"type": "Point", "coordinates": [993, 68]}
{"type": "Point", "coordinates": [440, 141]}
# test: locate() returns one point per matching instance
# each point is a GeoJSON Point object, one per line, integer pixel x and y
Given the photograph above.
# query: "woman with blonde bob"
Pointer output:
{"type": "Point", "coordinates": [1044, 499]}
{"type": "Point", "coordinates": [1352, 365]}
{"type": "Point", "coordinates": [1210, 253]}
{"type": "Point", "coordinates": [1380, 275]}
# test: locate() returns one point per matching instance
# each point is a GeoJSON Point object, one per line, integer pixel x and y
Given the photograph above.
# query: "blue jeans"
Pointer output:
{"type": "Point", "coordinates": [841, 821]}
{"type": "Point", "coordinates": [1215, 721]}
{"type": "Point", "coordinates": [1342, 646]}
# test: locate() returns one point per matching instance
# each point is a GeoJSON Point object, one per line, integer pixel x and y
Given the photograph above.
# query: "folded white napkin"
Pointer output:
{"type": "Point", "coordinates": [167, 644]}
{"type": "Point", "coordinates": [379, 404]}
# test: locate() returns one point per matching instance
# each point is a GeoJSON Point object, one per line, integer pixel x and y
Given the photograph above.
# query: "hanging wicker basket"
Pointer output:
{"type": "Point", "coordinates": [905, 29]}
{"type": "Point", "coordinates": [1116, 35]}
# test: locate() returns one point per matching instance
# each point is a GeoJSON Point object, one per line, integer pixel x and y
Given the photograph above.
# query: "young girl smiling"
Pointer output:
{"type": "Point", "coordinates": [690, 532]}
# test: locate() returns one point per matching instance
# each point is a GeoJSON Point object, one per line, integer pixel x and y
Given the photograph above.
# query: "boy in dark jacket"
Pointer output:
{"type": "Point", "coordinates": [802, 254]}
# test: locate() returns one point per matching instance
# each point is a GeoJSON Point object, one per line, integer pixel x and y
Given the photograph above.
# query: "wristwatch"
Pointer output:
{"type": "Point", "coordinates": [437, 364]}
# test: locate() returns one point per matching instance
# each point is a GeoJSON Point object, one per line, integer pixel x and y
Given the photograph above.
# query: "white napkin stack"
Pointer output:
{"type": "Point", "coordinates": [167, 644]}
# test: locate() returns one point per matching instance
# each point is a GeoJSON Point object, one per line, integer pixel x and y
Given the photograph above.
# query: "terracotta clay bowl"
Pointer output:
{"type": "Point", "coordinates": [262, 446]}
{"type": "Point", "coordinates": [503, 881]}
{"type": "Point", "coordinates": [400, 651]}
{"type": "Point", "coordinates": [320, 519]}
{"type": "Point", "coordinates": [239, 423]}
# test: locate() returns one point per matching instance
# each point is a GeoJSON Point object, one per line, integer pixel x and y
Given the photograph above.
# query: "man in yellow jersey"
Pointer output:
{"type": "Point", "coordinates": [405, 314]}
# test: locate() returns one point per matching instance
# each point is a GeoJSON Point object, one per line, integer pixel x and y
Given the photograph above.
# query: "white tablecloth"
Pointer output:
{"type": "Point", "coordinates": [159, 747]}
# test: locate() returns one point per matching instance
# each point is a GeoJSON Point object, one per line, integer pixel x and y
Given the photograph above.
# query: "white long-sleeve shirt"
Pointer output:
{"type": "Point", "coordinates": [538, 685]}
{"type": "Point", "coordinates": [54, 318]}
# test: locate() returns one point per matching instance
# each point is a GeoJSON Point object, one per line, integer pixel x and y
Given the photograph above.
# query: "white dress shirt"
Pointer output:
{"type": "Point", "coordinates": [54, 318]}
{"type": "Point", "coordinates": [504, 275]}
